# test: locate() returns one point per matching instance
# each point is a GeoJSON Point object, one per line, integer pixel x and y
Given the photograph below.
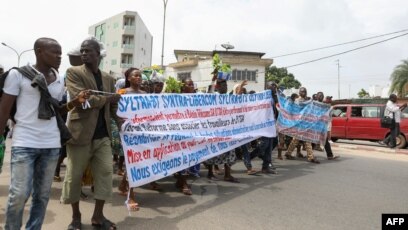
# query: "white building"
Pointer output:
{"type": "Point", "coordinates": [379, 91]}
{"type": "Point", "coordinates": [127, 40]}
{"type": "Point", "coordinates": [197, 65]}
{"type": "Point", "coordinates": [375, 90]}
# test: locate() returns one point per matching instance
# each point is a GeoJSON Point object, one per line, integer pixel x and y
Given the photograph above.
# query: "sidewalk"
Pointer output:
{"type": "Point", "coordinates": [367, 146]}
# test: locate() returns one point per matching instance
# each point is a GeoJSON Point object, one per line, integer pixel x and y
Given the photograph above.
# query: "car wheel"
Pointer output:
{"type": "Point", "coordinates": [401, 142]}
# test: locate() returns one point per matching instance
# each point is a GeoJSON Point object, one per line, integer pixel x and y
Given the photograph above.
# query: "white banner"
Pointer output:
{"type": "Point", "coordinates": [166, 133]}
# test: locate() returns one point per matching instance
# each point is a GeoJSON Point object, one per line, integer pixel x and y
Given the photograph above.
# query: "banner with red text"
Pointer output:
{"type": "Point", "coordinates": [166, 133]}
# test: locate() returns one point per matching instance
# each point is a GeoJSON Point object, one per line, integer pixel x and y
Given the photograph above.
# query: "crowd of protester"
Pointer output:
{"type": "Point", "coordinates": [89, 102]}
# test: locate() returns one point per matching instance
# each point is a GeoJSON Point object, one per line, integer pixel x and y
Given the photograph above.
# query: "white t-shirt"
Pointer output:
{"type": "Point", "coordinates": [29, 131]}
{"type": "Point", "coordinates": [392, 108]}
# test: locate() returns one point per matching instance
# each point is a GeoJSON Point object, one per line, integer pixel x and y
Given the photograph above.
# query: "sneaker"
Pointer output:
{"type": "Point", "coordinates": [333, 157]}
{"type": "Point", "coordinates": [269, 171]}
{"type": "Point", "coordinates": [195, 175]}
{"type": "Point", "coordinates": [314, 160]}
{"type": "Point", "coordinates": [319, 149]}
{"type": "Point", "coordinates": [272, 167]}
{"type": "Point", "coordinates": [299, 155]}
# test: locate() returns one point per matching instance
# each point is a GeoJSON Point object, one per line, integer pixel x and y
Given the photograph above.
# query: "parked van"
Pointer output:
{"type": "Point", "coordinates": [362, 122]}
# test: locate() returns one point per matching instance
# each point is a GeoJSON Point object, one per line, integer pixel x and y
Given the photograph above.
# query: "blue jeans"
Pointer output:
{"type": "Point", "coordinates": [265, 148]}
{"type": "Point", "coordinates": [31, 169]}
{"type": "Point", "coordinates": [248, 156]}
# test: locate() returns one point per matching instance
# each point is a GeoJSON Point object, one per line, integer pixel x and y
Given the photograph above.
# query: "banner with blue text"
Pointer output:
{"type": "Point", "coordinates": [166, 133]}
{"type": "Point", "coordinates": [306, 121]}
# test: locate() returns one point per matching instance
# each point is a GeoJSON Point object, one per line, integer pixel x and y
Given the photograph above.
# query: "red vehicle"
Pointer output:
{"type": "Point", "coordinates": [362, 122]}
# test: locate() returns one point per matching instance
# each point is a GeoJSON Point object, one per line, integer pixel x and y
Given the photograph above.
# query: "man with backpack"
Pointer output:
{"type": "Point", "coordinates": [36, 144]}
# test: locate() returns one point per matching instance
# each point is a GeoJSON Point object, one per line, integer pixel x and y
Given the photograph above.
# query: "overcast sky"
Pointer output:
{"type": "Point", "coordinates": [269, 26]}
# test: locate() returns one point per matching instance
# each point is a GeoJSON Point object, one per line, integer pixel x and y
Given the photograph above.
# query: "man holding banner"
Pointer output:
{"type": "Point", "coordinates": [303, 120]}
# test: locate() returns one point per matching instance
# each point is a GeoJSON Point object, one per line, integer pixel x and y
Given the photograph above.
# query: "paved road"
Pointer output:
{"type": "Point", "coordinates": [350, 193]}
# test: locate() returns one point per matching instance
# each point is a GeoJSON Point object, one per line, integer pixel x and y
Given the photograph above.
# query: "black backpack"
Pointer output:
{"type": "Point", "coordinates": [2, 81]}
{"type": "Point", "coordinates": [25, 72]}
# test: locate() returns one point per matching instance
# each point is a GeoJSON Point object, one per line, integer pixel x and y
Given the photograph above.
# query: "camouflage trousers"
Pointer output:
{"type": "Point", "coordinates": [293, 145]}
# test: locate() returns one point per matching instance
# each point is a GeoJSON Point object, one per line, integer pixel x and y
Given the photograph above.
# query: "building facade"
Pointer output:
{"type": "Point", "coordinates": [197, 65]}
{"type": "Point", "coordinates": [127, 40]}
{"type": "Point", "coordinates": [379, 91]}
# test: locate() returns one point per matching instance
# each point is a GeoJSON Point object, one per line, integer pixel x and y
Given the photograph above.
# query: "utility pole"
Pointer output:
{"type": "Point", "coordinates": [164, 27]}
{"type": "Point", "coordinates": [338, 78]}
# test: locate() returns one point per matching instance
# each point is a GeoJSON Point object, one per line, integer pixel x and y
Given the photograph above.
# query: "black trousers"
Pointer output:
{"type": "Point", "coordinates": [394, 133]}
{"type": "Point", "coordinates": [327, 148]}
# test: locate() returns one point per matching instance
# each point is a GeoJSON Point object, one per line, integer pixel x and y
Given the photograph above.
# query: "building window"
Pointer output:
{"type": "Point", "coordinates": [240, 75]}
{"type": "Point", "coordinates": [115, 44]}
{"type": "Point", "coordinates": [115, 25]}
{"type": "Point", "coordinates": [183, 76]}
{"type": "Point", "coordinates": [113, 62]}
{"type": "Point", "coordinates": [126, 61]}
{"type": "Point", "coordinates": [128, 21]}
{"type": "Point", "coordinates": [100, 32]}
{"type": "Point", "coordinates": [128, 41]}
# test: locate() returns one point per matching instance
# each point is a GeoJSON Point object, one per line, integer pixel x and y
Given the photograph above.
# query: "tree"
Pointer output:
{"type": "Point", "coordinates": [399, 78]}
{"type": "Point", "coordinates": [282, 77]}
{"type": "Point", "coordinates": [363, 94]}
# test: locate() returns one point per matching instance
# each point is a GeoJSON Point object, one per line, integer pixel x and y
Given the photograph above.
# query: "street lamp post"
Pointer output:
{"type": "Point", "coordinates": [15, 51]}
{"type": "Point", "coordinates": [164, 26]}
{"type": "Point", "coordinates": [338, 78]}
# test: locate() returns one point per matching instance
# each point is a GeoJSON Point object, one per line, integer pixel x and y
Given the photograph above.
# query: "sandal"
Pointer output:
{"type": "Point", "coordinates": [231, 179]}
{"type": "Point", "coordinates": [186, 191]}
{"type": "Point", "coordinates": [252, 172]}
{"type": "Point", "coordinates": [75, 225]}
{"type": "Point", "coordinates": [57, 179]}
{"type": "Point", "coordinates": [132, 205]}
{"type": "Point", "coordinates": [105, 225]}
{"type": "Point", "coordinates": [121, 172]}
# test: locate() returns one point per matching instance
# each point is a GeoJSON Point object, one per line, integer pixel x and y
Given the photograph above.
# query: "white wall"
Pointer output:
{"type": "Point", "coordinates": [201, 75]}
{"type": "Point", "coordinates": [114, 31]}
{"type": "Point", "coordinates": [375, 91]}
{"type": "Point", "coordinates": [142, 55]}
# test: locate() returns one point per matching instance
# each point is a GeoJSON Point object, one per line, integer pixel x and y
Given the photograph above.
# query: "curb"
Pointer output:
{"type": "Point", "coordinates": [370, 148]}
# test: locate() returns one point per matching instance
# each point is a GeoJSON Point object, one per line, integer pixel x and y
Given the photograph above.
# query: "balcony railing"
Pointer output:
{"type": "Point", "coordinates": [129, 28]}
{"type": "Point", "coordinates": [128, 46]}
{"type": "Point", "coordinates": [126, 65]}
